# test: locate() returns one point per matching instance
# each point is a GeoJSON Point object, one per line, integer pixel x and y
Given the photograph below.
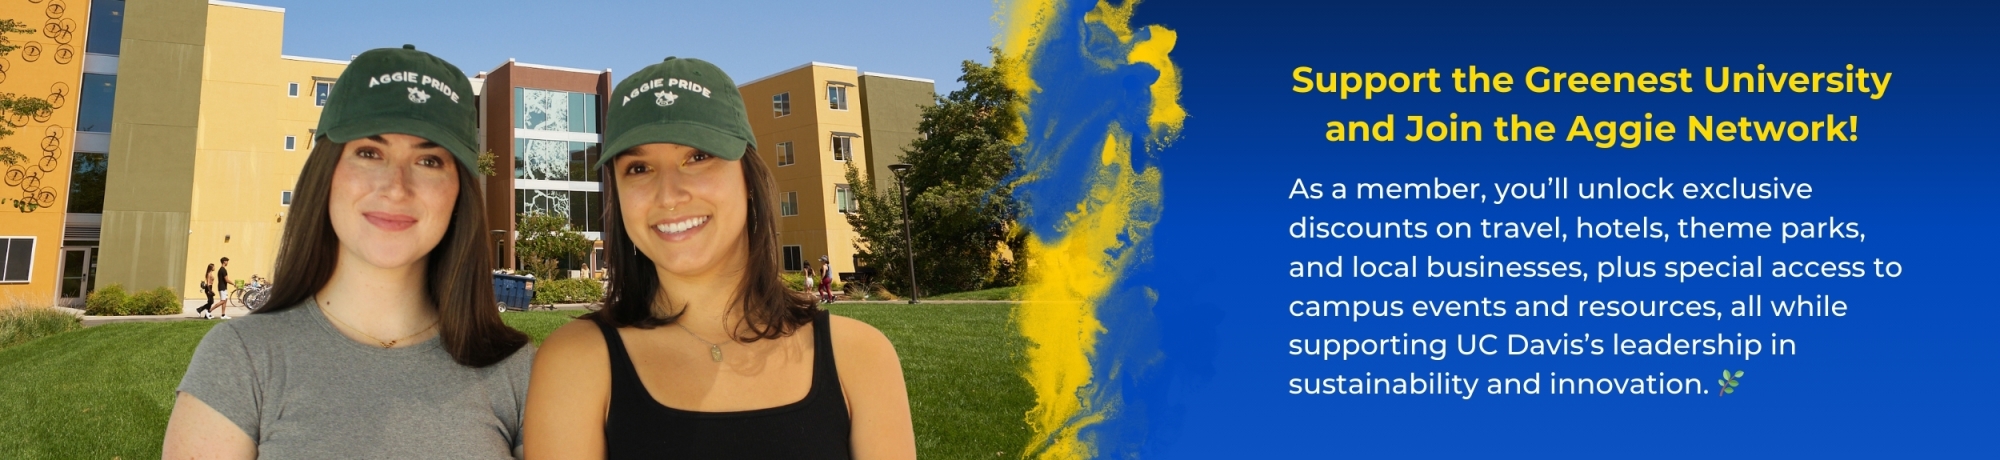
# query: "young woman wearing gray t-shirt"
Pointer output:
{"type": "Point", "coordinates": [380, 339]}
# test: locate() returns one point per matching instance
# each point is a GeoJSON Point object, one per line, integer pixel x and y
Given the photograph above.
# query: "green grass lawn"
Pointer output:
{"type": "Point", "coordinates": [106, 391]}
{"type": "Point", "coordinates": [1002, 293]}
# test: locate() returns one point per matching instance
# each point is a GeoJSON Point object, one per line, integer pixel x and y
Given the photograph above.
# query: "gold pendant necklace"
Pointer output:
{"type": "Point", "coordinates": [714, 350]}
{"type": "Point", "coordinates": [386, 344]}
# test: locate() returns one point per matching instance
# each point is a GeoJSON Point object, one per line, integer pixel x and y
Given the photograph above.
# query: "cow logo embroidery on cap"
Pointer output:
{"type": "Point", "coordinates": [665, 98]}
{"type": "Point", "coordinates": [418, 95]}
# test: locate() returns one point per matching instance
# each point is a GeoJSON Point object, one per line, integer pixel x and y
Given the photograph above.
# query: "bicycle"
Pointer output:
{"type": "Point", "coordinates": [251, 294]}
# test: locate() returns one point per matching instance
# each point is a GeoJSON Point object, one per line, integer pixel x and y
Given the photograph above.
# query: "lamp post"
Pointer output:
{"type": "Point", "coordinates": [909, 248]}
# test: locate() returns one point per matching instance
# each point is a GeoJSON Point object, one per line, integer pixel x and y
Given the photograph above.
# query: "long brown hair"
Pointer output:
{"type": "Point", "coordinates": [770, 309]}
{"type": "Point", "coordinates": [458, 274]}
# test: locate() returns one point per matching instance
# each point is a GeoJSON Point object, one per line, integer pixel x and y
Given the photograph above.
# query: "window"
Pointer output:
{"type": "Point", "coordinates": [321, 90]}
{"type": "Point", "coordinates": [86, 183]}
{"type": "Point", "coordinates": [583, 209]}
{"type": "Point", "coordinates": [843, 148]}
{"type": "Point", "coordinates": [292, 90]}
{"type": "Point", "coordinates": [843, 198]}
{"type": "Point", "coordinates": [285, 198]}
{"type": "Point", "coordinates": [93, 113]}
{"type": "Point", "coordinates": [17, 255]}
{"type": "Point", "coordinates": [781, 104]}
{"type": "Point", "coordinates": [795, 259]}
{"type": "Point", "coordinates": [107, 26]}
{"type": "Point", "coordinates": [539, 159]}
{"type": "Point", "coordinates": [836, 97]}
{"type": "Point", "coordinates": [291, 143]}
{"type": "Point", "coordinates": [546, 110]}
{"type": "Point", "coordinates": [784, 154]}
{"type": "Point", "coordinates": [789, 206]}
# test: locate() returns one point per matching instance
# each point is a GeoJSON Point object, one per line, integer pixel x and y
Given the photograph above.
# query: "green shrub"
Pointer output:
{"type": "Point", "coordinates": [112, 300]}
{"type": "Point", "coordinates": [18, 325]}
{"type": "Point", "coordinates": [573, 290]}
{"type": "Point", "coordinates": [106, 300]}
{"type": "Point", "coordinates": [795, 281]}
{"type": "Point", "coordinates": [159, 301]}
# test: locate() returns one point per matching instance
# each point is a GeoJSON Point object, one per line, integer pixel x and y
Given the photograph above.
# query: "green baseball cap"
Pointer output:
{"type": "Point", "coordinates": [404, 91]}
{"type": "Point", "coordinates": [684, 101]}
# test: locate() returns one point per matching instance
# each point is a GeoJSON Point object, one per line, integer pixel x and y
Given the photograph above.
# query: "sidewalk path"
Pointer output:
{"type": "Point", "coordinates": [91, 320]}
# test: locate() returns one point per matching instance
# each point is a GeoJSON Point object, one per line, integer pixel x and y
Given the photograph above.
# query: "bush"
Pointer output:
{"type": "Point", "coordinates": [112, 300]}
{"type": "Point", "coordinates": [106, 300]}
{"type": "Point", "coordinates": [573, 290]}
{"type": "Point", "coordinates": [20, 324]}
{"type": "Point", "coordinates": [795, 281]}
{"type": "Point", "coordinates": [159, 301]}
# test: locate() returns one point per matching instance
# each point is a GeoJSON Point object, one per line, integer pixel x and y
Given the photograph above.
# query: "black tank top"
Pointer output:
{"type": "Point", "coordinates": [638, 426]}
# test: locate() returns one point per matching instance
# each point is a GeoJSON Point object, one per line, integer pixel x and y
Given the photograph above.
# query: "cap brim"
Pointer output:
{"type": "Point", "coordinates": [701, 137]}
{"type": "Point", "coordinates": [379, 125]}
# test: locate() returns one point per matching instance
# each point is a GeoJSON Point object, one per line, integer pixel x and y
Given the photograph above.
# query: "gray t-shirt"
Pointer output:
{"type": "Point", "coordinates": [300, 389]}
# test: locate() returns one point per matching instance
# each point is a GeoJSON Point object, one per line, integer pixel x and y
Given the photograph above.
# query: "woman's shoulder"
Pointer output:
{"type": "Point", "coordinates": [269, 325]}
{"type": "Point", "coordinates": [577, 340]}
{"type": "Point", "coordinates": [857, 341]}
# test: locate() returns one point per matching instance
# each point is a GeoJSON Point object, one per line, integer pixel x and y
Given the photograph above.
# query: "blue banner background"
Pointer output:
{"type": "Point", "coordinates": [1907, 372]}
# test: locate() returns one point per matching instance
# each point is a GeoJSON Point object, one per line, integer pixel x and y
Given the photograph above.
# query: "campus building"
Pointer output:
{"type": "Point", "coordinates": [542, 124]}
{"type": "Point", "coordinates": [821, 119]}
{"type": "Point", "coordinates": [51, 187]}
{"type": "Point", "coordinates": [193, 157]}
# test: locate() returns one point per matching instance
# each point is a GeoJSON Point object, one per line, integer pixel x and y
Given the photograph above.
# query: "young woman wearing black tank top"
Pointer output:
{"type": "Point", "coordinates": [700, 351]}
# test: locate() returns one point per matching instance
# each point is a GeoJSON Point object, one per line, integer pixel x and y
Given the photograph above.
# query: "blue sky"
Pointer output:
{"type": "Point", "coordinates": [747, 38]}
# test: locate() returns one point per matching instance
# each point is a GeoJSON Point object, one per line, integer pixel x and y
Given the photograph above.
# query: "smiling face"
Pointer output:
{"type": "Point", "coordinates": [684, 209]}
{"type": "Point", "coordinates": [391, 199]}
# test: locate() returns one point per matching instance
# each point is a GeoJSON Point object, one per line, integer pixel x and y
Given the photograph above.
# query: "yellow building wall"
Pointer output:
{"type": "Point", "coordinates": [818, 228]}
{"type": "Point", "coordinates": [48, 65]}
{"type": "Point", "coordinates": [241, 165]}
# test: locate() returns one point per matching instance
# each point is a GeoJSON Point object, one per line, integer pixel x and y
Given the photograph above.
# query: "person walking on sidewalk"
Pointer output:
{"type": "Point", "coordinates": [222, 290]}
{"type": "Point", "coordinates": [825, 280]}
{"type": "Point", "coordinates": [207, 289]}
{"type": "Point", "coordinates": [812, 284]}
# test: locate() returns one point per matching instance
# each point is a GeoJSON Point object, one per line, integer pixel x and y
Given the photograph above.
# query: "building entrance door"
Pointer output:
{"type": "Point", "coordinates": [79, 275]}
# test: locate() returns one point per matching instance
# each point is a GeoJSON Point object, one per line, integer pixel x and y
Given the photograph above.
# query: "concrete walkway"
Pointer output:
{"type": "Point", "coordinates": [189, 315]}
{"type": "Point", "coordinates": [93, 320]}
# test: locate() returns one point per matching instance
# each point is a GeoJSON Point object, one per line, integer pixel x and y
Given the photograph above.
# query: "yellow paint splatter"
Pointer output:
{"type": "Point", "coordinates": [1072, 270]}
{"type": "Point", "coordinates": [1070, 276]}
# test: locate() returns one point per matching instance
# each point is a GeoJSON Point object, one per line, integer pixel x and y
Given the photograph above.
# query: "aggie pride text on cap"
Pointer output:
{"type": "Point", "coordinates": [404, 91]}
{"type": "Point", "coordinates": [683, 101]}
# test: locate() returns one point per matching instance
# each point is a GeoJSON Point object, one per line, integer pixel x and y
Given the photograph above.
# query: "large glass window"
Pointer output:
{"type": "Point", "coordinates": [94, 103]}
{"type": "Point", "coordinates": [107, 26]}
{"type": "Point", "coordinates": [790, 205]}
{"type": "Point", "coordinates": [784, 154]}
{"type": "Point", "coordinates": [539, 159]}
{"type": "Point", "coordinates": [555, 110]}
{"type": "Point", "coordinates": [86, 183]}
{"type": "Point", "coordinates": [781, 104]}
{"type": "Point", "coordinates": [17, 255]}
{"type": "Point", "coordinates": [583, 209]}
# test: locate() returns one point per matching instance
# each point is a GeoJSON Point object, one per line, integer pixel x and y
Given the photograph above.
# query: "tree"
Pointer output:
{"type": "Point", "coordinates": [962, 209]}
{"type": "Point", "coordinates": [546, 241]}
{"type": "Point", "coordinates": [15, 111]}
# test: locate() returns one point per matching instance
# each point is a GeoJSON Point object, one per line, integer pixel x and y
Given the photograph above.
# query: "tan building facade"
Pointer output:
{"type": "Point", "coordinates": [207, 142]}
{"type": "Point", "coordinates": [812, 122]}
{"type": "Point", "coordinates": [63, 62]}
